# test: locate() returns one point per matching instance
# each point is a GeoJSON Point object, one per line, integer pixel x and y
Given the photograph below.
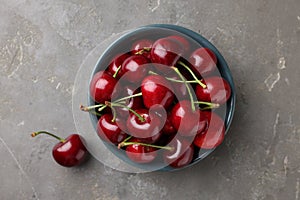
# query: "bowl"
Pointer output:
{"type": "Point", "coordinates": [122, 44]}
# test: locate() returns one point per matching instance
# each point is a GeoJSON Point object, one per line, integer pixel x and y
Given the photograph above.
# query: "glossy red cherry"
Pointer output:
{"type": "Point", "coordinates": [184, 119]}
{"type": "Point", "coordinates": [217, 90]}
{"type": "Point", "coordinates": [142, 47]}
{"type": "Point", "coordinates": [203, 61]}
{"type": "Point", "coordinates": [102, 87]}
{"type": "Point", "coordinates": [213, 135]}
{"type": "Point", "coordinates": [140, 153]}
{"type": "Point", "coordinates": [168, 128]}
{"type": "Point", "coordinates": [110, 130]}
{"type": "Point", "coordinates": [184, 42]}
{"type": "Point", "coordinates": [134, 68]}
{"type": "Point", "coordinates": [157, 90]}
{"type": "Point", "coordinates": [181, 154]}
{"type": "Point", "coordinates": [116, 63]}
{"type": "Point", "coordinates": [150, 127]}
{"type": "Point", "coordinates": [166, 51]}
{"type": "Point", "coordinates": [68, 152]}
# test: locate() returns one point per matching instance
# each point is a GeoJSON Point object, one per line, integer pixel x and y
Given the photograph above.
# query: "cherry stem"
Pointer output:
{"type": "Point", "coordinates": [187, 87]}
{"type": "Point", "coordinates": [114, 113]}
{"type": "Point", "coordinates": [89, 109]}
{"type": "Point", "coordinates": [123, 144]}
{"type": "Point", "coordinates": [117, 71]}
{"type": "Point", "coordinates": [124, 106]}
{"type": "Point", "coordinates": [140, 52]}
{"type": "Point", "coordinates": [209, 104]}
{"type": "Point", "coordinates": [45, 132]}
{"type": "Point", "coordinates": [192, 73]}
{"type": "Point", "coordinates": [126, 139]}
{"type": "Point", "coordinates": [102, 108]}
{"type": "Point", "coordinates": [172, 79]}
{"type": "Point", "coordinates": [128, 97]}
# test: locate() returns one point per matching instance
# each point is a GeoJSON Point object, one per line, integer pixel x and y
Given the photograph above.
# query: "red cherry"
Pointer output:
{"type": "Point", "coordinates": [168, 128]}
{"type": "Point", "coordinates": [150, 127]}
{"type": "Point", "coordinates": [142, 47]}
{"type": "Point", "coordinates": [217, 90]}
{"type": "Point", "coordinates": [213, 135]}
{"type": "Point", "coordinates": [68, 152]}
{"type": "Point", "coordinates": [184, 119]}
{"type": "Point", "coordinates": [157, 90]}
{"type": "Point", "coordinates": [110, 131]}
{"type": "Point", "coordinates": [140, 153]}
{"type": "Point", "coordinates": [166, 51]}
{"type": "Point", "coordinates": [116, 63]}
{"type": "Point", "coordinates": [184, 42]}
{"type": "Point", "coordinates": [181, 154]}
{"type": "Point", "coordinates": [203, 61]}
{"type": "Point", "coordinates": [102, 87]}
{"type": "Point", "coordinates": [134, 68]}
{"type": "Point", "coordinates": [202, 122]}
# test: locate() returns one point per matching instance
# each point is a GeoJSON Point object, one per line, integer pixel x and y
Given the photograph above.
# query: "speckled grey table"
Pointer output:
{"type": "Point", "coordinates": [43, 43]}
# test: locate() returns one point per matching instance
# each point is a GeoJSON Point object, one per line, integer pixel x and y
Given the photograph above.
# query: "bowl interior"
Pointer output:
{"type": "Point", "coordinates": [123, 44]}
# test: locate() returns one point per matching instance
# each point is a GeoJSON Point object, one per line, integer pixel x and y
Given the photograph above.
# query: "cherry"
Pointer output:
{"type": "Point", "coordinates": [68, 152]}
{"type": "Point", "coordinates": [213, 135]}
{"type": "Point", "coordinates": [149, 127]}
{"type": "Point", "coordinates": [109, 130]}
{"type": "Point", "coordinates": [181, 154]}
{"type": "Point", "coordinates": [116, 63]}
{"type": "Point", "coordinates": [184, 119]}
{"type": "Point", "coordinates": [134, 68]}
{"type": "Point", "coordinates": [203, 61]}
{"type": "Point", "coordinates": [217, 91]}
{"type": "Point", "coordinates": [102, 87]}
{"type": "Point", "coordinates": [140, 153]}
{"type": "Point", "coordinates": [157, 90]}
{"type": "Point", "coordinates": [166, 51]}
{"type": "Point", "coordinates": [142, 47]}
{"type": "Point", "coordinates": [168, 128]}
{"type": "Point", "coordinates": [184, 42]}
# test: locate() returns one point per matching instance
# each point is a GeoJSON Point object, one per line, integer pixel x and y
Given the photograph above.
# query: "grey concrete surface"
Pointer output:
{"type": "Point", "coordinates": [43, 43]}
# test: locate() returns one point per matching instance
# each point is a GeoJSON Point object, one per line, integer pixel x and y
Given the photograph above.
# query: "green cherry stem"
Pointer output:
{"type": "Point", "coordinates": [123, 144]}
{"type": "Point", "coordinates": [102, 108]}
{"type": "Point", "coordinates": [192, 73]}
{"type": "Point", "coordinates": [128, 97]}
{"type": "Point", "coordinates": [140, 52]}
{"type": "Point", "coordinates": [187, 87]}
{"type": "Point", "coordinates": [117, 71]}
{"type": "Point", "coordinates": [209, 105]}
{"type": "Point", "coordinates": [89, 109]}
{"type": "Point", "coordinates": [172, 79]}
{"type": "Point", "coordinates": [126, 139]}
{"type": "Point", "coordinates": [45, 132]}
{"type": "Point", "coordinates": [113, 110]}
{"type": "Point", "coordinates": [111, 104]}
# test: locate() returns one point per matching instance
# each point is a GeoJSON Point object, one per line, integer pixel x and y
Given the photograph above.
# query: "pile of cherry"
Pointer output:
{"type": "Point", "coordinates": [160, 96]}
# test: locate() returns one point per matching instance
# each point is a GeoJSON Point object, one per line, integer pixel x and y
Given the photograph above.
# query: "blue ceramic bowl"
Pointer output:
{"type": "Point", "coordinates": [155, 31]}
